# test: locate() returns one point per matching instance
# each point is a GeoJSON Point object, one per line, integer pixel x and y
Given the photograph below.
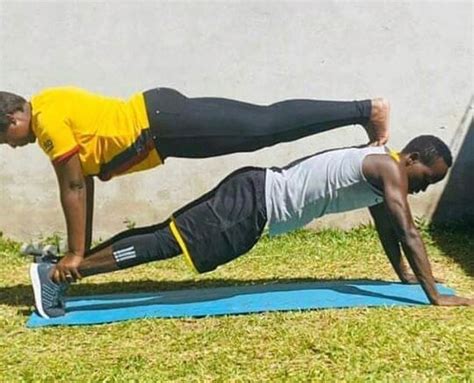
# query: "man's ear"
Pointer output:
{"type": "Point", "coordinates": [11, 118]}
{"type": "Point", "coordinates": [413, 158]}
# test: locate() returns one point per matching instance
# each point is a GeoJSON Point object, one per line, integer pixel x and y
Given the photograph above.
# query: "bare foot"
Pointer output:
{"type": "Point", "coordinates": [378, 127]}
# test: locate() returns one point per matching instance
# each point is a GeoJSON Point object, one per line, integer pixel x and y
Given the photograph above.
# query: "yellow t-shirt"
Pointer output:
{"type": "Point", "coordinates": [111, 136]}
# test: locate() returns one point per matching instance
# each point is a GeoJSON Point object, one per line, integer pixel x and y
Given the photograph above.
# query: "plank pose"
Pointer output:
{"type": "Point", "coordinates": [87, 135]}
{"type": "Point", "coordinates": [227, 221]}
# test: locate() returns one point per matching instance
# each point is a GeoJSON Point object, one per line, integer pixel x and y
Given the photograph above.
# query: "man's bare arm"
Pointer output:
{"type": "Point", "coordinates": [72, 188]}
{"type": "Point", "coordinates": [390, 243]}
{"type": "Point", "coordinates": [398, 210]}
{"type": "Point", "coordinates": [89, 211]}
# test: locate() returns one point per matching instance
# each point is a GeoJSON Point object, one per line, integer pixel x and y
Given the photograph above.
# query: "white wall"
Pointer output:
{"type": "Point", "coordinates": [419, 54]}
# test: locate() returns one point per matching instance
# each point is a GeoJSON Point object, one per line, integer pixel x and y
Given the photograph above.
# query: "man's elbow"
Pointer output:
{"type": "Point", "coordinates": [72, 186]}
{"type": "Point", "coordinates": [410, 237]}
{"type": "Point", "coordinates": [76, 184]}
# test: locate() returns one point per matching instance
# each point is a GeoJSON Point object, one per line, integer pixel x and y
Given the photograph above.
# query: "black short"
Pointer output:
{"type": "Point", "coordinates": [226, 222]}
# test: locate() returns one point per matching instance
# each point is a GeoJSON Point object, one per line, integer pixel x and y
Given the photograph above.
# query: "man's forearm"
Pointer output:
{"type": "Point", "coordinates": [73, 199]}
{"type": "Point", "coordinates": [394, 254]}
{"type": "Point", "coordinates": [389, 240]}
{"type": "Point", "coordinates": [89, 211]}
{"type": "Point", "coordinates": [416, 254]}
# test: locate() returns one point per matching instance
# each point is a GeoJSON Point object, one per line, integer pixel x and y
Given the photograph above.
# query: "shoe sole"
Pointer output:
{"type": "Point", "coordinates": [35, 280]}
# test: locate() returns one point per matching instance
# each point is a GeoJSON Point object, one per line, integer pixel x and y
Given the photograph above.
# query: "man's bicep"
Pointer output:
{"type": "Point", "coordinates": [69, 172]}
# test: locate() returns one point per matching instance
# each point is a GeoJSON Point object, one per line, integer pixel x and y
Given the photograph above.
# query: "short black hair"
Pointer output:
{"type": "Point", "coordinates": [430, 149]}
{"type": "Point", "coordinates": [9, 103]}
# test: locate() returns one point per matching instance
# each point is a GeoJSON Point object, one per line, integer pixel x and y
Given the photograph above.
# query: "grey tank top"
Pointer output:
{"type": "Point", "coordinates": [329, 182]}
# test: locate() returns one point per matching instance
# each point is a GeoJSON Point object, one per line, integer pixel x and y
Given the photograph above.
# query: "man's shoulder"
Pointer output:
{"type": "Point", "coordinates": [382, 169]}
{"type": "Point", "coordinates": [385, 165]}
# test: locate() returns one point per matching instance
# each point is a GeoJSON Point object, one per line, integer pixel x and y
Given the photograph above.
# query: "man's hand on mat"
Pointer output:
{"type": "Point", "coordinates": [67, 269]}
{"type": "Point", "coordinates": [453, 300]}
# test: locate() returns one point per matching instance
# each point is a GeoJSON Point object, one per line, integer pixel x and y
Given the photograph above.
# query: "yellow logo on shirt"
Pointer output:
{"type": "Point", "coordinates": [48, 145]}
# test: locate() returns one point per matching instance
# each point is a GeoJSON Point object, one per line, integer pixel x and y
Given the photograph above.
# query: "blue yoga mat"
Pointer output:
{"type": "Point", "coordinates": [204, 302]}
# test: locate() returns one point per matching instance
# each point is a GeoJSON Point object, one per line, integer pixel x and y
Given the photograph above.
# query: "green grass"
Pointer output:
{"type": "Point", "coordinates": [422, 344]}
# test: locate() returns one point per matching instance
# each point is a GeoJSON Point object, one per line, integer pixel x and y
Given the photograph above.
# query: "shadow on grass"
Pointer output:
{"type": "Point", "coordinates": [453, 218]}
{"type": "Point", "coordinates": [456, 240]}
{"type": "Point", "coordinates": [22, 295]}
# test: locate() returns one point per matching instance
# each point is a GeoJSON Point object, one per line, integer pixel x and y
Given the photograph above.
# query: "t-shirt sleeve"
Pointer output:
{"type": "Point", "coordinates": [55, 137]}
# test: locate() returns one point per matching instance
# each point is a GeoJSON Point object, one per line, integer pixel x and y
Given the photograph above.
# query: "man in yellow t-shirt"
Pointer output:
{"type": "Point", "coordinates": [86, 135]}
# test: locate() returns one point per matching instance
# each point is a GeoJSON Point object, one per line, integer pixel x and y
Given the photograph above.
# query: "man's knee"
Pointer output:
{"type": "Point", "coordinates": [144, 248]}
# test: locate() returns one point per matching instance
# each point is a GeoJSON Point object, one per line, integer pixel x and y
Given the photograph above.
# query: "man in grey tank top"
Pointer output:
{"type": "Point", "coordinates": [227, 221]}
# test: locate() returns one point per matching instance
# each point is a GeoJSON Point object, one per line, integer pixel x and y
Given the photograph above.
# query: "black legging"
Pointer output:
{"type": "Point", "coordinates": [206, 127]}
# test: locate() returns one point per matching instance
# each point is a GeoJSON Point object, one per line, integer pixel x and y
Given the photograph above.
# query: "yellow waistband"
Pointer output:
{"type": "Point", "coordinates": [182, 244]}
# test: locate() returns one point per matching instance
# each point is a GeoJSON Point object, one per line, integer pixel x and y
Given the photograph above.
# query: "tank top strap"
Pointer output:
{"type": "Point", "coordinates": [394, 154]}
